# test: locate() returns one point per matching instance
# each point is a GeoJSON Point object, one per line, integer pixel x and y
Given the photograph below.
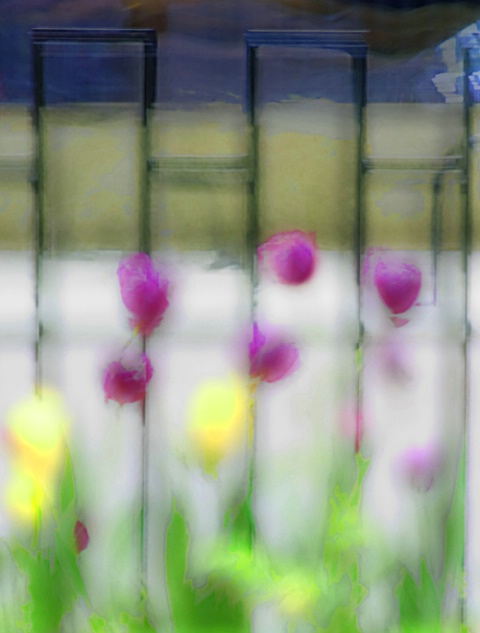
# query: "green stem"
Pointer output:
{"type": "Point", "coordinates": [37, 527]}
{"type": "Point", "coordinates": [252, 529]}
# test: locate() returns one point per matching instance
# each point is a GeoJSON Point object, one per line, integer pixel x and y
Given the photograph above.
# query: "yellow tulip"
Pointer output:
{"type": "Point", "coordinates": [35, 434]}
{"type": "Point", "coordinates": [218, 419]}
{"type": "Point", "coordinates": [23, 496]}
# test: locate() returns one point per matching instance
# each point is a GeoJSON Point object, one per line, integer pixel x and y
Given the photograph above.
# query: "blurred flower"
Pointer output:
{"type": "Point", "coordinates": [217, 419]}
{"type": "Point", "coordinates": [395, 361]}
{"type": "Point", "coordinates": [352, 424]}
{"type": "Point", "coordinates": [143, 292]}
{"type": "Point", "coordinates": [398, 285]}
{"type": "Point", "coordinates": [291, 256]}
{"type": "Point", "coordinates": [35, 436]}
{"type": "Point", "coordinates": [81, 536]}
{"type": "Point", "coordinates": [127, 382]}
{"type": "Point", "coordinates": [23, 495]}
{"type": "Point", "coordinates": [419, 465]}
{"type": "Point", "coordinates": [271, 358]}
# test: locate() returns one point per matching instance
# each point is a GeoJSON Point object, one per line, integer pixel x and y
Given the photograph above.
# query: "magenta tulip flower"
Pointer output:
{"type": "Point", "coordinates": [291, 256]}
{"type": "Point", "coordinates": [81, 536]}
{"type": "Point", "coordinates": [143, 291]}
{"type": "Point", "coordinates": [398, 285]}
{"type": "Point", "coordinates": [126, 383]}
{"type": "Point", "coordinates": [271, 359]}
{"type": "Point", "coordinates": [419, 465]}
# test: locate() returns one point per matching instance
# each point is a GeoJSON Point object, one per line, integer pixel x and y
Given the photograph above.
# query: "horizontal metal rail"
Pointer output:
{"type": "Point", "coordinates": [434, 163]}
{"type": "Point", "coordinates": [16, 167]}
{"type": "Point", "coordinates": [351, 42]}
{"type": "Point", "coordinates": [100, 36]}
{"type": "Point", "coordinates": [201, 169]}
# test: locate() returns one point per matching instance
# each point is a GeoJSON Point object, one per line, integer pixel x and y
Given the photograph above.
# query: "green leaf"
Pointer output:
{"type": "Point", "coordinates": [215, 608]}
{"type": "Point", "coordinates": [240, 524]}
{"type": "Point", "coordinates": [136, 624]}
{"type": "Point", "coordinates": [66, 558]}
{"type": "Point", "coordinates": [176, 551]}
{"type": "Point", "coordinates": [248, 573]}
{"type": "Point", "coordinates": [97, 623]}
{"type": "Point", "coordinates": [345, 535]}
{"type": "Point", "coordinates": [455, 529]}
{"type": "Point", "coordinates": [48, 600]}
{"type": "Point", "coordinates": [344, 620]}
{"type": "Point", "coordinates": [419, 603]}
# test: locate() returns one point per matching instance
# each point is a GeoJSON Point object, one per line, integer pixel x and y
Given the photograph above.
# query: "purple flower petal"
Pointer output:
{"type": "Point", "coordinates": [256, 343]}
{"type": "Point", "coordinates": [271, 359]}
{"type": "Point", "coordinates": [419, 466]}
{"type": "Point", "coordinates": [398, 285]}
{"type": "Point", "coordinates": [127, 384]}
{"type": "Point", "coordinates": [291, 256]}
{"type": "Point", "coordinates": [143, 292]}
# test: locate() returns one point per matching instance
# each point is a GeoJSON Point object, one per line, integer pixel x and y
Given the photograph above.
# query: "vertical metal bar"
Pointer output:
{"type": "Point", "coordinates": [359, 68]}
{"type": "Point", "coordinates": [436, 227]}
{"type": "Point", "coordinates": [252, 244]}
{"type": "Point", "coordinates": [147, 37]}
{"type": "Point", "coordinates": [253, 186]}
{"type": "Point", "coordinates": [38, 188]}
{"type": "Point", "coordinates": [148, 103]}
{"type": "Point", "coordinates": [467, 247]}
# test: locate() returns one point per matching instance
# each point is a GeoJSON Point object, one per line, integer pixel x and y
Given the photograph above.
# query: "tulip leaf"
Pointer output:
{"type": "Point", "coordinates": [455, 528]}
{"type": "Point", "coordinates": [345, 535]}
{"type": "Point", "coordinates": [49, 598]}
{"type": "Point", "coordinates": [97, 624]}
{"type": "Point", "coordinates": [136, 624]}
{"type": "Point", "coordinates": [66, 556]}
{"type": "Point", "coordinates": [67, 486]}
{"type": "Point", "coordinates": [212, 608]}
{"type": "Point", "coordinates": [240, 523]}
{"type": "Point", "coordinates": [344, 620]}
{"type": "Point", "coordinates": [419, 602]}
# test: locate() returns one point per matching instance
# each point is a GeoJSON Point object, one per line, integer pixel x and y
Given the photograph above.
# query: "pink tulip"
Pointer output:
{"type": "Point", "coordinates": [271, 359]}
{"type": "Point", "coordinates": [143, 291]}
{"type": "Point", "coordinates": [419, 465]}
{"type": "Point", "coordinates": [398, 284]}
{"type": "Point", "coordinates": [291, 256]}
{"type": "Point", "coordinates": [126, 384]}
{"type": "Point", "coordinates": [81, 537]}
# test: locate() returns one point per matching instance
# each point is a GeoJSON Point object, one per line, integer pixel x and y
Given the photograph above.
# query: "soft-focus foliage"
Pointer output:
{"type": "Point", "coordinates": [144, 292]}
{"type": "Point", "coordinates": [49, 565]}
{"type": "Point", "coordinates": [291, 257]}
{"type": "Point", "coordinates": [126, 382]}
{"type": "Point", "coordinates": [326, 593]}
{"type": "Point", "coordinates": [271, 357]}
{"type": "Point", "coordinates": [215, 608]}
